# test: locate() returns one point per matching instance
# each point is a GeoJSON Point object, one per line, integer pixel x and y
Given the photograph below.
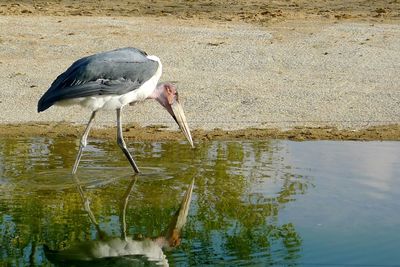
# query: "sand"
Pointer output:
{"type": "Point", "coordinates": [299, 69]}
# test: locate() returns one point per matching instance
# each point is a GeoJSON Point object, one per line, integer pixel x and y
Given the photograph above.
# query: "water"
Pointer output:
{"type": "Point", "coordinates": [254, 203]}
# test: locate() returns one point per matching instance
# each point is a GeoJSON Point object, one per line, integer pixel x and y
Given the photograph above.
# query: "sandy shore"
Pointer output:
{"type": "Point", "coordinates": [309, 71]}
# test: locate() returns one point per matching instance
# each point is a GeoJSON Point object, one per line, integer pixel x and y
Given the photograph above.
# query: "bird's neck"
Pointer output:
{"type": "Point", "coordinates": [159, 94]}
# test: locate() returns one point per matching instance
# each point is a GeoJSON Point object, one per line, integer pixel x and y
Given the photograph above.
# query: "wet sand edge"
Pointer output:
{"type": "Point", "coordinates": [160, 133]}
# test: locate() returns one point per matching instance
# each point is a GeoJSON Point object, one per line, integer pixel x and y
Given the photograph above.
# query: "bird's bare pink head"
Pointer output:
{"type": "Point", "coordinates": [167, 95]}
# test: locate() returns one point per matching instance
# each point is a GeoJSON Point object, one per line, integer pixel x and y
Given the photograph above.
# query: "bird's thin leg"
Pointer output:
{"type": "Point", "coordinates": [121, 142]}
{"type": "Point", "coordinates": [86, 206]}
{"type": "Point", "coordinates": [83, 142]}
{"type": "Point", "coordinates": [124, 204]}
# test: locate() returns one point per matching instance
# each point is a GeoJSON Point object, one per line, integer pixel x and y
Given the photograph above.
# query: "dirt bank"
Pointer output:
{"type": "Point", "coordinates": [154, 133]}
{"type": "Point", "coordinates": [256, 11]}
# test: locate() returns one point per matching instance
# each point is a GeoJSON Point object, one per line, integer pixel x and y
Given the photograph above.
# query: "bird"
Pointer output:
{"type": "Point", "coordinates": [106, 250]}
{"type": "Point", "coordinates": [110, 80]}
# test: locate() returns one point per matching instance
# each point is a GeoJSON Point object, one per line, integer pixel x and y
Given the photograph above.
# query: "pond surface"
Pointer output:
{"type": "Point", "coordinates": [255, 203]}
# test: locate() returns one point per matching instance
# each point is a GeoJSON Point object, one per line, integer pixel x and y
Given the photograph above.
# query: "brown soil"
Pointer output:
{"type": "Point", "coordinates": [257, 11]}
{"type": "Point", "coordinates": [152, 133]}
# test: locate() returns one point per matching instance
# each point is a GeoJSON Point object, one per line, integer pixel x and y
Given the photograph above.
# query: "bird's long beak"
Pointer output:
{"type": "Point", "coordinates": [180, 118]}
{"type": "Point", "coordinates": [178, 221]}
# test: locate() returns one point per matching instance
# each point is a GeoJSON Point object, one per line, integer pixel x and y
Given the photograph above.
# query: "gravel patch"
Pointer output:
{"type": "Point", "coordinates": [230, 75]}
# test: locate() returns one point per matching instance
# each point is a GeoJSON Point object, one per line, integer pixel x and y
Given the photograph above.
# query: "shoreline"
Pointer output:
{"type": "Point", "coordinates": [160, 133]}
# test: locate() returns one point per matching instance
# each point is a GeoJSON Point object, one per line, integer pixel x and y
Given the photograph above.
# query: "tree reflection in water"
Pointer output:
{"type": "Point", "coordinates": [240, 189]}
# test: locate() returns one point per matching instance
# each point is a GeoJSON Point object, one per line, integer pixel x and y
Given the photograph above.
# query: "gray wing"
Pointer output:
{"type": "Point", "coordinates": [114, 72]}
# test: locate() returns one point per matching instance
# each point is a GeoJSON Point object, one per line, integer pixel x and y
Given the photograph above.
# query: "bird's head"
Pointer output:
{"type": "Point", "coordinates": [167, 95]}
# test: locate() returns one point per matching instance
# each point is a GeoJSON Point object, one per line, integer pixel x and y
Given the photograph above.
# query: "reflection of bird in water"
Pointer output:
{"type": "Point", "coordinates": [110, 81]}
{"type": "Point", "coordinates": [123, 251]}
